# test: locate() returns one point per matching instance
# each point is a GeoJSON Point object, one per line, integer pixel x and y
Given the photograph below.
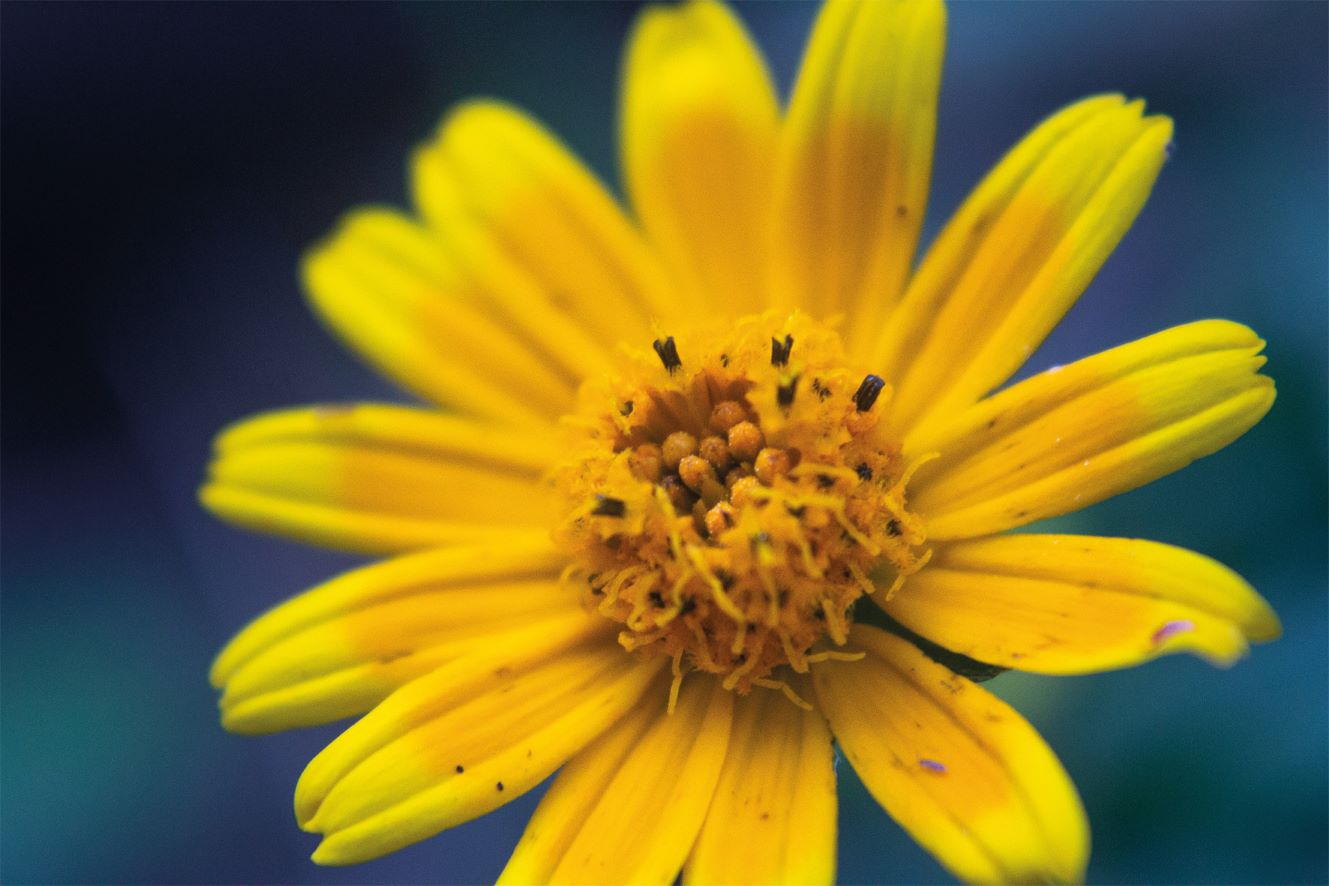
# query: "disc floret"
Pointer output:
{"type": "Point", "coordinates": [730, 497]}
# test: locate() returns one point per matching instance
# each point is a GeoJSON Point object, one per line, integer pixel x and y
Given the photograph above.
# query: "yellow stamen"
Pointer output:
{"type": "Point", "coordinates": [784, 687]}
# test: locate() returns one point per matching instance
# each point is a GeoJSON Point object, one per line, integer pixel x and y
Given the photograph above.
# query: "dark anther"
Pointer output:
{"type": "Point", "coordinates": [780, 350]}
{"type": "Point", "coordinates": [500, 786]}
{"type": "Point", "coordinates": [825, 481]}
{"type": "Point", "coordinates": [460, 768]}
{"type": "Point", "coordinates": [784, 395]}
{"type": "Point", "coordinates": [608, 507]}
{"type": "Point", "coordinates": [726, 580]}
{"type": "Point", "coordinates": [867, 392]}
{"type": "Point", "coordinates": [689, 604]}
{"type": "Point", "coordinates": [657, 599]}
{"type": "Point", "coordinates": [893, 528]}
{"type": "Point", "coordinates": [626, 410]}
{"type": "Point", "coordinates": [796, 511]}
{"type": "Point", "coordinates": [864, 472]}
{"type": "Point", "coordinates": [668, 353]}
{"type": "Point", "coordinates": [820, 389]}
{"type": "Point", "coordinates": [724, 360]}
{"type": "Point", "coordinates": [740, 658]}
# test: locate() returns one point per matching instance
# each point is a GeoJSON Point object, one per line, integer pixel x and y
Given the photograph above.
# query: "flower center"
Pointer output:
{"type": "Point", "coordinates": [729, 497]}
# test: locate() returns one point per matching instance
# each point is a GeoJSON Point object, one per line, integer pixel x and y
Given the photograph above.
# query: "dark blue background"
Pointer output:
{"type": "Point", "coordinates": [165, 165]}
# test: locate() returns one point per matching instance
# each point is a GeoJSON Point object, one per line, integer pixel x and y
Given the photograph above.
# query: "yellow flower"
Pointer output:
{"type": "Point", "coordinates": [680, 448]}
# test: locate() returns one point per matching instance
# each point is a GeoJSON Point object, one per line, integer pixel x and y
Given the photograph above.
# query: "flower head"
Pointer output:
{"type": "Point", "coordinates": [681, 448]}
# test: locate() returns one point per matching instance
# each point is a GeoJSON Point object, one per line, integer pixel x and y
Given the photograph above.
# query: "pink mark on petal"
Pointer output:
{"type": "Point", "coordinates": [932, 765]}
{"type": "Point", "coordinates": [1171, 629]}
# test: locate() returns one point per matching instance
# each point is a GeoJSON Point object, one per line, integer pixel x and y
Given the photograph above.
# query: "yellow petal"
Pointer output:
{"type": "Point", "coordinates": [460, 742]}
{"type": "Point", "coordinates": [699, 124]}
{"type": "Point", "coordinates": [960, 770]}
{"type": "Point", "coordinates": [343, 529]}
{"type": "Point", "coordinates": [578, 789]}
{"type": "Point", "coordinates": [339, 649]}
{"type": "Point", "coordinates": [458, 567]}
{"type": "Point", "coordinates": [950, 253]}
{"type": "Point", "coordinates": [497, 173]}
{"type": "Point", "coordinates": [387, 287]}
{"type": "Point", "coordinates": [343, 669]}
{"type": "Point", "coordinates": [397, 427]}
{"type": "Point", "coordinates": [855, 159]}
{"type": "Point", "coordinates": [378, 479]}
{"type": "Point", "coordinates": [773, 816]}
{"type": "Point", "coordinates": [1065, 604]}
{"type": "Point", "coordinates": [629, 808]}
{"type": "Point", "coordinates": [1017, 255]}
{"type": "Point", "coordinates": [1076, 435]}
{"type": "Point", "coordinates": [539, 315]}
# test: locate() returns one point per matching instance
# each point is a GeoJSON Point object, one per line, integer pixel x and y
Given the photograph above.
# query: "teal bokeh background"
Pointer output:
{"type": "Point", "coordinates": [164, 166]}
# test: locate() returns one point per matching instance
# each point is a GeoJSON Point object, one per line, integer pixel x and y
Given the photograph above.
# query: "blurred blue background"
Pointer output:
{"type": "Point", "coordinates": [165, 165]}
